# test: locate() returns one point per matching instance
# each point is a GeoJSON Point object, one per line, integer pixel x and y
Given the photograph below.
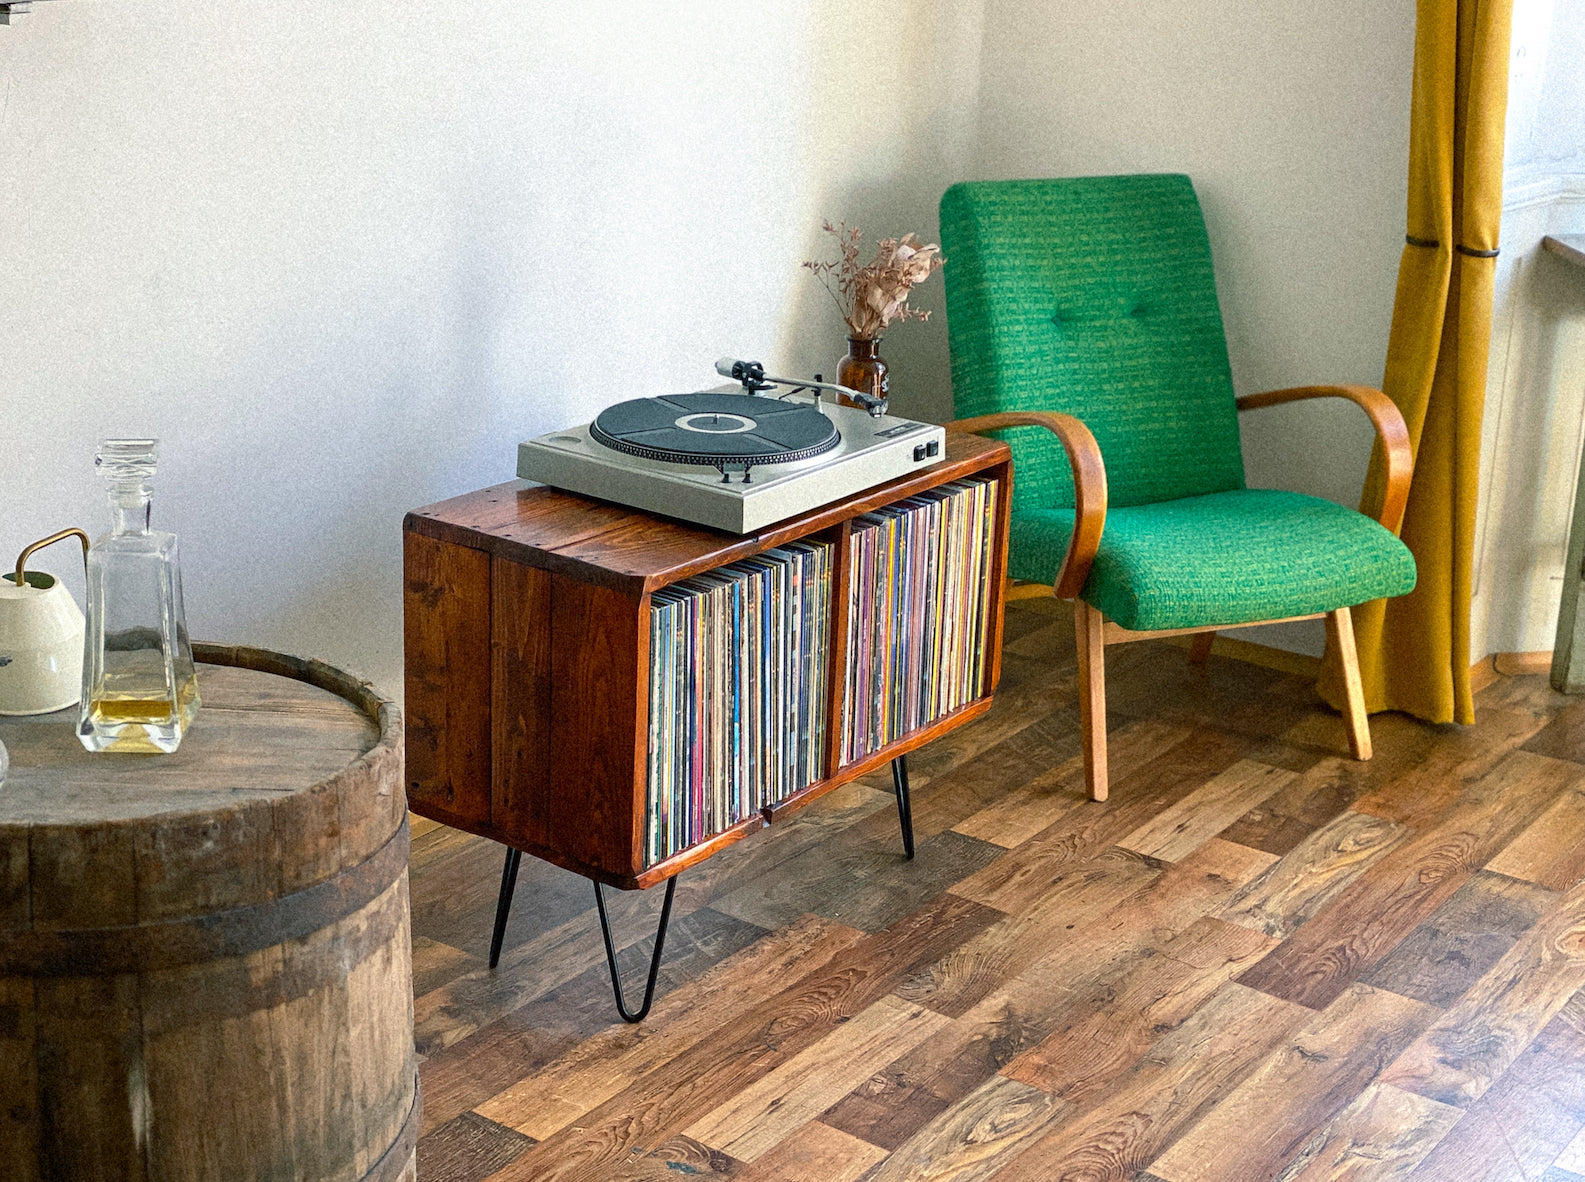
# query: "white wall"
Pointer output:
{"type": "Point", "coordinates": [342, 257]}
{"type": "Point", "coordinates": [1293, 120]}
{"type": "Point", "coordinates": [1535, 395]}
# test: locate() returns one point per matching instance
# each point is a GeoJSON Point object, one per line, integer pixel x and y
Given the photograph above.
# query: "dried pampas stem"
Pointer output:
{"type": "Point", "coordinates": [874, 295]}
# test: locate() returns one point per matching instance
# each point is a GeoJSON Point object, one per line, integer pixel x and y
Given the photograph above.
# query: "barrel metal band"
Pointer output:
{"type": "Point", "coordinates": [198, 939]}
{"type": "Point", "coordinates": [393, 1163]}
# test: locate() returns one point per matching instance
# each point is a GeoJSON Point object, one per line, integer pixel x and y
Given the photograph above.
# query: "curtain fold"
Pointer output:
{"type": "Point", "coordinates": [1414, 650]}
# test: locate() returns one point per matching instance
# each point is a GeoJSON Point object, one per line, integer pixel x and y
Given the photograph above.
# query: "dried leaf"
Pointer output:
{"type": "Point", "coordinates": [874, 295]}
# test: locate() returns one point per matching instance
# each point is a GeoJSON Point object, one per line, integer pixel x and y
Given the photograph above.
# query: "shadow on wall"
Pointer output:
{"type": "Point", "coordinates": [916, 353]}
{"type": "Point", "coordinates": [895, 92]}
{"type": "Point", "coordinates": [1536, 428]}
{"type": "Point", "coordinates": [353, 419]}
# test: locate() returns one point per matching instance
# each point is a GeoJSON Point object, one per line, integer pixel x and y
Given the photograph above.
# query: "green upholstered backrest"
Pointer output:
{"type": "Point", "coordinates": [1093, 296]}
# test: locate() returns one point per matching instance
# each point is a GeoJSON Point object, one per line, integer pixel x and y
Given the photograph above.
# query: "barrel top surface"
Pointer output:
{"type": "Point", "coordinates": [257, 736]}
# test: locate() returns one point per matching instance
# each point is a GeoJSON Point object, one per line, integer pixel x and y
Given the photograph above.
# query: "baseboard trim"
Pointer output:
{"type": "Point", "coordinates": [1515, 664]}
{"type": "Point", "coordinates": [1481, 674]}
{"type": "Point", "coordinates": [1252, 652]}
{"type": "Point", "coordinates": [1494, 665]}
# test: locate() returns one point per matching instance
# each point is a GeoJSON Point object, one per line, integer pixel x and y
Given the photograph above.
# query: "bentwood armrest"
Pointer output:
{"type": "Point", "coordinates": [1390, 429]}
{"type": "Point", "coordinates": [1089, 486]}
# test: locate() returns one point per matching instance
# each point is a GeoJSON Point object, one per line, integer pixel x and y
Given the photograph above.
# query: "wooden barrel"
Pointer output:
{"type": "Point", "coordinates": [205, 960]}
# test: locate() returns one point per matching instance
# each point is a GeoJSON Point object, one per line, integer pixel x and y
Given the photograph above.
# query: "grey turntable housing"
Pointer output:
{"type": "Point", "coordinates": [735, 461]}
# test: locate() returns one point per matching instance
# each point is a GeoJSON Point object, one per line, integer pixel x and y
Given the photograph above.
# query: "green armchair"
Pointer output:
{"type": "Point", "coordinates": [1085, 329]}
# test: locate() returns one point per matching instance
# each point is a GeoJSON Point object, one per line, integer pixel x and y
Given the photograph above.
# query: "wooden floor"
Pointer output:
{"type": "Point", "coordinates": [1260, 960]}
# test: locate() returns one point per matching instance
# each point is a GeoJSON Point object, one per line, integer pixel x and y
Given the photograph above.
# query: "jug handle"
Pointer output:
{"type": "Point", "coordinates": [27, 552]}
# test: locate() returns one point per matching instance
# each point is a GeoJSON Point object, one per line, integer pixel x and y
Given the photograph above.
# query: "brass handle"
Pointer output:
{"type": "Point", "coordinates": [27, 552]}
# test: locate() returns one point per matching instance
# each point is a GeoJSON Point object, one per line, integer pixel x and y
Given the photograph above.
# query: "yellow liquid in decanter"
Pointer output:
{"type": "Point", "coordinates": [127, 718]}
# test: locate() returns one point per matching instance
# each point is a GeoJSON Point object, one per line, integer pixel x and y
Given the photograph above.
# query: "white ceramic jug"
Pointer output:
{"type": "Point", "coordinates": [41, 638]}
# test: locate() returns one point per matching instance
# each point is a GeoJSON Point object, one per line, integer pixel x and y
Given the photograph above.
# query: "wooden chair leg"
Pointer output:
{"type": "Point", "coordinates": [1200, 648]}
{"type": "Point", "coordinates": [1089, 628]}
{"type": "Point", "coordinates": [1340, 633]}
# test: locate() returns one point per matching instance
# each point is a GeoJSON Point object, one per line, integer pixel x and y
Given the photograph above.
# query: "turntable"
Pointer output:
{"type": "Point", "coordinates": [738, 460]}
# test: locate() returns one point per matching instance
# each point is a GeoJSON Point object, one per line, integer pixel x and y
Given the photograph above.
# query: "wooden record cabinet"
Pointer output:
{"type": "Point", "coordinates": [527, 657]}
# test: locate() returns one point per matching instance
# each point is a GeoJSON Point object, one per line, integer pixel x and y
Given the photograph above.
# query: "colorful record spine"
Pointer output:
{"type": "Point", "coordinates": [919, 613]}
{"type": "Point", "coordinates": [737, 693]}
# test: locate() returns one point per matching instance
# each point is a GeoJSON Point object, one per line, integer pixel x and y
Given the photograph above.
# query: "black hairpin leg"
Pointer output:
{"type": "Point", "coordinates": [654, 960]}
{"type": "Point", "coordinates": [503, 904]}
{"type": "Point", "coordinates": [905, 808]}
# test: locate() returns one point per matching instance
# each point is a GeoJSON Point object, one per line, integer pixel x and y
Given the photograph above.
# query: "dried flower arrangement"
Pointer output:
{"type": "Point", "coordinates": [875, 295]}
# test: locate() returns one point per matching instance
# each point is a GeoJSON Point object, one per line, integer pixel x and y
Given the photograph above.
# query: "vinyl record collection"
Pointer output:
{"type": "Point", "coordinates": [737, 692]}
{"type": "Point", "coordinates": [915, 643]}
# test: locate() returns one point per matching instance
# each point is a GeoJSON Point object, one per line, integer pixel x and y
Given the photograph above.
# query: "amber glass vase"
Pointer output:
{"type": "Point", "coordinates": [863, 369]}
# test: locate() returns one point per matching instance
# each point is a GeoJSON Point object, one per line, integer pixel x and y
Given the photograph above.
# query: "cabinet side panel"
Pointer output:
{"type": "Point", "coordinates": [446, 643]}
{"type": "Point", "coordinates": [997, 590]}
{"type": "Point", "coordinates": [599, 729]}
{"type": "Point", "coordinates": [521, 669]}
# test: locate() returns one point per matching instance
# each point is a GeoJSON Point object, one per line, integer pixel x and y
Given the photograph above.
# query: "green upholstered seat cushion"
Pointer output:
{"type": "Point", "coordinates": [1093, 296]}
{"type": "Point", "coordinates": [1224, 558]}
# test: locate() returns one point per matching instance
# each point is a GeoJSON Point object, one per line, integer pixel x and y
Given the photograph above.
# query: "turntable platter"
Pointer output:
{"type": "Point", "coordinates": [716, 429]}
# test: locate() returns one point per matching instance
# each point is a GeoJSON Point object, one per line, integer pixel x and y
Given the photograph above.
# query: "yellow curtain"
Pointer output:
{"type": "Point", "coordinates": [1414, 650]}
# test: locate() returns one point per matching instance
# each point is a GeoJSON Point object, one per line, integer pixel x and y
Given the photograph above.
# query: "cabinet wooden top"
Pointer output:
{"type": "Point", "coordinates": [634, 551]}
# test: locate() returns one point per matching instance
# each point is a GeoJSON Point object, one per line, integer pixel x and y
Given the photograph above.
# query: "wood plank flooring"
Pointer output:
{"type": "Point", "coordinates": [1260, 961]}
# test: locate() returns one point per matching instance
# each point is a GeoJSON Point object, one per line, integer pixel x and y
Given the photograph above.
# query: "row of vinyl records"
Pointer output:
{"type": "Point", "coordinates": [737, 692]}
{"type": "Point", "coordinates": [740, 657]}
{"type": "Point", "coordinates": [916, 631]}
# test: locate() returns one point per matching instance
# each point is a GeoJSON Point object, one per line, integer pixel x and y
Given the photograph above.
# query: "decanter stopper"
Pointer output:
{"type": "Point", "coordinates": [139, 689]}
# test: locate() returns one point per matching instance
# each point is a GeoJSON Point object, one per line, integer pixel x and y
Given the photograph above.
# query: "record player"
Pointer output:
{"type": "Point", "coordinates": [738, 459]}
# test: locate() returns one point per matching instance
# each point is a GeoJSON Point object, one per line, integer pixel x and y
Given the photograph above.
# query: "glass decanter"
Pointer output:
{"type": "Point", "coordinates": [139, 689]}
